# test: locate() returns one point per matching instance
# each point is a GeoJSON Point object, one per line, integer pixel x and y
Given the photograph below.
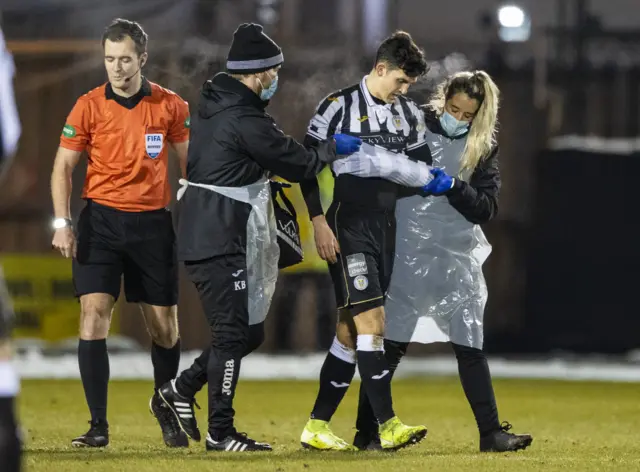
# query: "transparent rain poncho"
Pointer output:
{"type": "Point", "coordinates": [262, 251]}
{"type": "Point", "coordinates": [438, 291]}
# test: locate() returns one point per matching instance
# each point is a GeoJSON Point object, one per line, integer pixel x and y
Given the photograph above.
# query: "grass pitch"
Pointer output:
{"type": "Point", "coordinates": [578, 426]}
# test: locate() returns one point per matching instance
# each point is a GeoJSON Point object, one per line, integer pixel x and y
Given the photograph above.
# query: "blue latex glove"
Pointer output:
{"type": "Point", "coordinates": [441, 183]}
{"type": "Point", "coordinates": [346, 144]}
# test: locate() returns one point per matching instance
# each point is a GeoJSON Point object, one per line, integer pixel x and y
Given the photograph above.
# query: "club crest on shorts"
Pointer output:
{"type": "Point", "coordinates": [360, 282]}
{"type": "Point", "coordinates": [356, 264]}
{"type": "Point", "coordinates": [153, 143]}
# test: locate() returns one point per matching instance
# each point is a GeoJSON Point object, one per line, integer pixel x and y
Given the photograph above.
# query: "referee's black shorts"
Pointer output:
{"type": "Point", "coordinates": [362, 274]}
{"type": "Point", "coordinates": [139, 245]}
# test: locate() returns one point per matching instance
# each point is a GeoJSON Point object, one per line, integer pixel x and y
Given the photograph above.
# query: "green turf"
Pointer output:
{"type": "Point", "coordinates": [578, 426]}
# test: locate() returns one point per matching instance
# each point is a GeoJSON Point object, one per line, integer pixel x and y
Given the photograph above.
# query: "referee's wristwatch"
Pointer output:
{"type": "Point", "coordinates": [60, 223]}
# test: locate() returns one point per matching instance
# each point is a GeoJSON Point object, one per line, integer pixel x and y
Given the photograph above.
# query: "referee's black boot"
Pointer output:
{"type": "Point", "coordinates": [236, 442]}
{"type": "Point", "coordinates": [503, 441]}
{"type": "Point", "coordinates": [172, 434]}
{"type": "Point", "coordinates": [97, 436]}
{"type": "Point", "coordinates": [182, 409]}
{"type": "Point", "coordinates": [367, 441]}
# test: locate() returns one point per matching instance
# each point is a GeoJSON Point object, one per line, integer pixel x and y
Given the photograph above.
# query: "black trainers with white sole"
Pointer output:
{"type": "Point", "coordinates": [97, 436]}
{"type": "Point", "coordinates": [182, 409]}
{"type": "Point", "coordinates": [172, 434]}
{"type": "Point", "coordinates": [236, 442]}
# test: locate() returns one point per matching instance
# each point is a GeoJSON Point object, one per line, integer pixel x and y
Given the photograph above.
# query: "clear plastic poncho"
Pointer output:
{"type": "Point", "coordinates": [262, 251]}
{"type": "Point", "coordinates": [438, 291]}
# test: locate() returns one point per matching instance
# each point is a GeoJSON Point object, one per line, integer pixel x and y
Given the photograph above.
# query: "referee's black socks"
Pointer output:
{"type": "Point", "coordinates": [376, 375]}
{"type": "Point", "coordinates": [165, 363]}
{"type": "Point", "coordinates": [335, 377]}
{"type": "Point", "coordinates": [93, 361]}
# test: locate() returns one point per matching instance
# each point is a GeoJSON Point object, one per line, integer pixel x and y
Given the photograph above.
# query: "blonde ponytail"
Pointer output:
{"type": "Point", "coordinates": [483, 131]}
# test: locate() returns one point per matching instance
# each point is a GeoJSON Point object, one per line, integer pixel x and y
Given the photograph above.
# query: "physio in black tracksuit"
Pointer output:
{"type": "Point", "coordinates": [222, 237]}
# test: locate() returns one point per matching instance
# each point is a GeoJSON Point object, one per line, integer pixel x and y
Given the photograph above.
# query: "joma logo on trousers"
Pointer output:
{"type": "Point", "coordinates": [228, 376]}
{"type": "Point", "coordinates": [380, 376]}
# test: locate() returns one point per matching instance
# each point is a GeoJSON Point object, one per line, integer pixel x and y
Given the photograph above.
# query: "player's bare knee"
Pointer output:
{"type": "Point", "coordinates": [346, 328]}
{"type": "Point", "coordinates": [6, 350]}
{"type": "Point", "coordinates": [344, 334]}
{"type": "Point", "coordinates": [95, 316]}
{"type": "Point", "coordinates": [370, 321]}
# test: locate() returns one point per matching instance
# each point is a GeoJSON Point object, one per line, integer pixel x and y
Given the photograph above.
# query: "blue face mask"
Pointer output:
{"type": "Point", "coordinates": [452, 126]}
{"type": "Point", "coordinates": [267, 93]}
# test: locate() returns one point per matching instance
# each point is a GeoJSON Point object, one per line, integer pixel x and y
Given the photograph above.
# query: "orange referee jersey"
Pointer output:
{"type": "Point", "coordinates": [126, 140]}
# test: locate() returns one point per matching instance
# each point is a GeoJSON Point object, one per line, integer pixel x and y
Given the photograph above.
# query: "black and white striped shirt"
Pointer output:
{"type": "Point", "coordinates": [398, 127]}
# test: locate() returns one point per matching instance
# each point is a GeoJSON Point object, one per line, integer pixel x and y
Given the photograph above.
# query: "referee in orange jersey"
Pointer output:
{"type": "Point", "coordinates": [125, 228]}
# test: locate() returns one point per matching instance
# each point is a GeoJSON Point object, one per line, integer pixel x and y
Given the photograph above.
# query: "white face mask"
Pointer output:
{"type": "Point", "coordinates": [452, 126]}
{"type": "Point", "coordinates": [267, 93]}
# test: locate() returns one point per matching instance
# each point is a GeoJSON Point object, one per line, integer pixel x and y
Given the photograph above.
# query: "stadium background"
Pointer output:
{"type": "Point", "coordinates": [562, 276]}
{"type": "Point", "coordinates": [563, 268]}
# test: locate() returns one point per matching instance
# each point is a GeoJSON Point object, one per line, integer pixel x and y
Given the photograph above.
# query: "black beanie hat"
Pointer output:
{"type": "Point", "coordinates": [252, 51]}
